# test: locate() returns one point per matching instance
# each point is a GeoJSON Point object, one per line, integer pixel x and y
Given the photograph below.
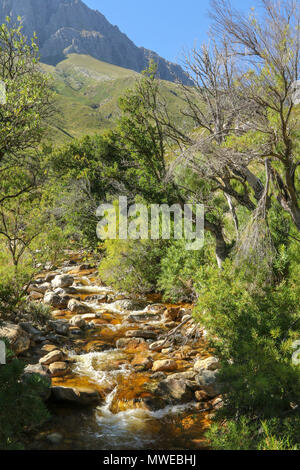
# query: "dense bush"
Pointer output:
{"type": "Point", "coordinates": [21, 408]}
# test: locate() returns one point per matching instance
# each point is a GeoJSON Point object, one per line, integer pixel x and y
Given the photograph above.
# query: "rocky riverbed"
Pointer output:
{"type": "Point", "coordinates": [123, 373]}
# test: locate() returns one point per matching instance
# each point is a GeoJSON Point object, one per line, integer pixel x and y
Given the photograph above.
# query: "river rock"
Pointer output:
{"type": "Point", "coordinates": [177, 390]}
{"type": "Point", "coordinates": [78, 396]}
{"type": "Point", "coordinates": [132, 344]}
{"type": "Point", "coordinates": [78, 307]}
{"type": "Point", "coordinates": [60, 326]}
{"type": "Point", "coordinates": [77, 321]}
{"type": "Point", "coordinates": [58, 369]}
{"type": "Point", "coordinates": [29, 328]}
{"type": "Point", "coordinates": [17, 338]}
{"type": "Point", "coordinates": [208, 381]}
{"type": "Point", "coordinates": [55, 300]}
{"type": "Point", "coordinates": [143, 316]}
{"type": "Point", "coordinates": [141, 334]}
{"type": "Point", "coordinates": [63, 280]}
{"type": "Point", "coordinates": [165, 365]}
{"type": "Point", "coordinates": [50, 276]}
{"type": "Point", "coordinates": [211, 363]}
{"type": "Point", "coordinates": [142, 362]}
{"type": "Point", "coordinates": [157, 309]}
{"type": "Point", "coordinates": [188, 375]}
{"type": "Point", "coordinates": [40, 288]}
{"type": "Point", "coordinates": [53, 356]}
{"type": "Point", "coordinates": [36, 295]}
{"type": "Point", "coordinates": [130, 304]}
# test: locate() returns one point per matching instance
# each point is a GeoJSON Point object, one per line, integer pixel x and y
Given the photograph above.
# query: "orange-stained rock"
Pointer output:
{"type": "Point", "coordinates": [165, 365]}
{"type": "Point", "coordinates": [58, 369]}
{"type": "Point", "coordinates": [142, 362]}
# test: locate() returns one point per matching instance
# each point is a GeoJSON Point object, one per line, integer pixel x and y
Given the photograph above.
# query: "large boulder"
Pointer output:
{"type": "Point", "coordinates": [76, 306]}
{"type": "Point", "coordinates": [78, 396]}
{"type": "Point", "coordinates": [176, 389]}
{"type": "Point", "coordinates": [63, 280]}
{"type": "Point", "coordinates": [165, 365]}
{"type": "Point", "coordinates": [18, 339]}
{"type": "Point", "coordinates": [210, 363]}
{"type": "Point", "coordinates": [53, 356]}
{"type": "Point", "coordinates": [208, 381]}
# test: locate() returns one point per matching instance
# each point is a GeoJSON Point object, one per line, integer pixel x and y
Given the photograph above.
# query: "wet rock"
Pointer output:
{"type": "Point", "coordinates": [132, 344]}
{"type": "Point", "coordinates": [58, 369]}
{"type": "Point", "coordinates": [53, 356]}
{"type": "Point", "coordinates": [55, 438]}
{"type": "Point", "coordinates": [60, 326]}
{"type": "Point", "coordinates": [165, 365]}
{"type": "Point", "coordinates": [208, 381]}
{"type": "Point", "coordinates": [176, 389]}
{"type": "Point", "coordinates": [142, 362]}
{"type": "Point", "coordinates": [18, 339]}
{"type": "Point", "coordinates": [78, 396]}
{"type": "Point", "coordinates": [211, 363]}
{"type": "Point", "coordinates": [77, 321]}
{"type": "Point", "coordinates": [141, 334]}
{"type": "Point", "coordinates": [78, 307]}
{"type": "Point", "coordinates": [63, 280]}
{"type": "Point", "coordinates": [153, 403]}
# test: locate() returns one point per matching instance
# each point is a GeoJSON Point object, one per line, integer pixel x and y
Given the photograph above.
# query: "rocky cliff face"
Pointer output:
{"type": "Point", "coordinates": [69, 26]}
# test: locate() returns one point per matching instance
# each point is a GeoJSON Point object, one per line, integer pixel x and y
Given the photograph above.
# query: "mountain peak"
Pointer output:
{"type": "Point", "coordinates": [70, 26]}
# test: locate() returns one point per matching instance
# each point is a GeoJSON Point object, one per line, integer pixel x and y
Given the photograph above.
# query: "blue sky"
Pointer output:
{"type": "Point", "coordinates": [165, 26]}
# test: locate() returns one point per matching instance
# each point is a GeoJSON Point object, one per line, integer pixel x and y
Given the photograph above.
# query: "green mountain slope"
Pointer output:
{"type": "Point", "coordinates": [87, 93]}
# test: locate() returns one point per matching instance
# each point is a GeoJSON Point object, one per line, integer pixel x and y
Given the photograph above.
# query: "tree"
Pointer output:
{"type": "Point", "coordinates": [28, 105]}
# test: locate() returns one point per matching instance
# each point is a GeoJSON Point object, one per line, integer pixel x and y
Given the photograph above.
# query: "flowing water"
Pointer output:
{"type": "Point", "coordinates": [123, 420]}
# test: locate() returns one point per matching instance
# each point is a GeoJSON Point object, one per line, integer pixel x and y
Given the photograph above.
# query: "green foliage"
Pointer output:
{"type": "Point", "coordinates": [132, 265]}
{"type": "Point", "coordinates": [179, 271]}
{"type": "Point", "coordinates": [243, 434]}
{"type": "Point", "coordinates": [251, 329]}
{"type": "Point", "coordinates": [21, 407]}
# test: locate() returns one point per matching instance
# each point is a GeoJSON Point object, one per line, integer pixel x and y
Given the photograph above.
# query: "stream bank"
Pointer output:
{"type": "Point", "coordinates": [126, 373]}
